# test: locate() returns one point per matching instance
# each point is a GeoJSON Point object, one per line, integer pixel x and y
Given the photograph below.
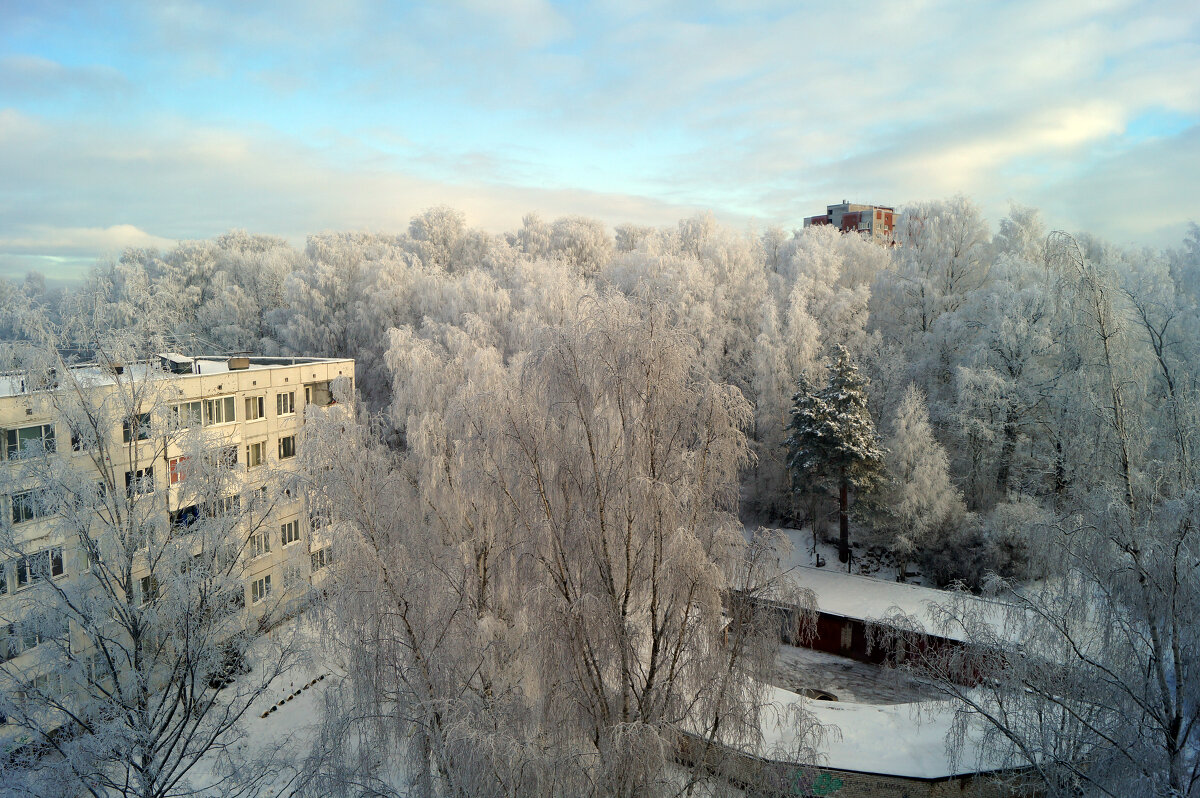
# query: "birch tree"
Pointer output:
{"type": "Point", "coordinates": [531, 603]}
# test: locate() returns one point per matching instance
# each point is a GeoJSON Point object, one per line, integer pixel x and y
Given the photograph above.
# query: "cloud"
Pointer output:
{"type": "Point", "coordinates": [65, 241]}
{"type": "Point", "coordinates": [24, 77]}
{"type": "Point", "coordinates": [293, 118]}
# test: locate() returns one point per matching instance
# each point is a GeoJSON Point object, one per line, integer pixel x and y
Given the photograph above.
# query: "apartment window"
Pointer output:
{"type": "Point", "coordinates": [222, 457]}
{"type": "Point", "coordinates": [255, 407]}
{"type": "Point", "coordinates": [3, 578]}
{"type": "Point", "coordinates": [184, 517]}
{"type": "Point", "coordinates": [260, 589]}
{"type": "Point", "coordinates": [227, 505]}
{"type": "Point", "coordinates": [139, 481]}
{"type": "Point", "coordinates": [293, 574]}
{"type": "Point", "coordinates": [322, 557]}
{"type": "Point", "coordinates": [219, 411]}
{"type": "Point", "coordinates": [149, 585]}
{"type": "Point", "coordinates": [187, 414]}
{"type": "Point", "coordinates": [285, 403]}
{"type": "Point", "coordinates": [290, 532]}
{"type": "Point", "coordinates": [28, 506]}
{"type": "Point", "coordinates": [79, 443]}
{"type": "Point", "coordinates": [177, 469]}
{"type": "Point", "coordinates": [39, 565]}
{"type": "Point", "coordinates": [287, 447]}
{"type": "Point", "coordinates": [254, 454]}
{"type": "Point", "coordinates": [319, 394]}
{"type": "Point", "coordinates": [260, 544]}
{"type": "Point", "coordinates": [29, 441]}
{"type": "Point", "coordinates": [136, 427]}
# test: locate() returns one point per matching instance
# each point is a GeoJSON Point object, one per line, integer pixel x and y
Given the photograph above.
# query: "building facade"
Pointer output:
{"type": "Point", "coordinates": [177, 440]}
{"type": "Point", "coordinates": [876, 222]}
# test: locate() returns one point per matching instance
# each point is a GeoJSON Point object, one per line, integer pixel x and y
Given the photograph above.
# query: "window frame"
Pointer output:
{"type": "Point", "coordinates": [28, 505]}
{"type": "Point", "coordinates": [228, 410]}
{"type": "Point", "coordinates": [137, 425]}
{"type": "Point", "coordinates": [285, 403]}
{"type": "Point", "coordinates": [259, 405]}
{"type": "Point", "coordinates": [139, 482]}
{"type": "Point", "coordinates": [186, 415]}
{"type": "Point", "coordinates": [283, 454]}
{"type": "Point", "coordinates": [256, 454]}
{"type": "Point", "coordinates": [260, 589]}
{"type": "Point", "coordinates": [289, 532]}
{"type": "Point", "coordinates": [13, 448]}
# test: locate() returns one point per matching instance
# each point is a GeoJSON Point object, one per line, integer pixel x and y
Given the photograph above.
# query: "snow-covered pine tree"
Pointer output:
{"type": "Point", "coordinates": [832, 441]}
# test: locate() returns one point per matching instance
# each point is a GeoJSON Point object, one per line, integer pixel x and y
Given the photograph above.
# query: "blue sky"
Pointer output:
{"type": "Point", "coordinates": [126, 124]}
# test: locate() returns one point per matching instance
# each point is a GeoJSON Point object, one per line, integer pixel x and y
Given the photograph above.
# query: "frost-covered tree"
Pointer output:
{"type": "Point", "coordinates": [531, 602]}
{"type": "Point", "coordinates": [917, 498]}
{"type": "Point", "coordinates": [832, 440]}
{"type": "Point", "coordinates": [131, 562]}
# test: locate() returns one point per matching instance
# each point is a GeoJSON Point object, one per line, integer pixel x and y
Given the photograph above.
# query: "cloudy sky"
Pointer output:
{"type": "Point", "coordinates": [142, 124]}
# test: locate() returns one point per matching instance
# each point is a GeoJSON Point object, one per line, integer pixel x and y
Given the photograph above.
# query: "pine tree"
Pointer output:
{"type": "Point", "coordinates": [833, 443]}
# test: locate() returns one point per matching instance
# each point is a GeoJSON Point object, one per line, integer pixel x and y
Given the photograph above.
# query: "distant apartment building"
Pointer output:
{"type": "Point", "coordinates": [876, 222]}
{"type": "Point", "coordinates": [248, 411]}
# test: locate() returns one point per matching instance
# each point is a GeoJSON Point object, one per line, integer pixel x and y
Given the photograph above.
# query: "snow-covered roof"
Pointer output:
{"type": "Point", "coordinates": [890, 739]}
{"type": "Point", "coordinates": [865, 598]}
{"type": "Point", "coordinates": [97, 374]}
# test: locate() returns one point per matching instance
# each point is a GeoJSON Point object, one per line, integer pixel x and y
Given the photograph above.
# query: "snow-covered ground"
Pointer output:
{"type": "Point", "coordinates": [290, 730]}
{"type": "Point", "coordinates": [897, 739]}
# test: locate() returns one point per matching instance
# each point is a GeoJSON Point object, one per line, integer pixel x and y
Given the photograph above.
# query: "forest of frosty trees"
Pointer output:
{"type": "Point", "coordinates": [985, 331]}
{"type": "Point", "coordinates": [559, 428]}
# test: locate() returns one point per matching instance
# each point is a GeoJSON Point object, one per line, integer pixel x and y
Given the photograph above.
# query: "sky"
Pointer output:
{"type": "Point", "coordinates": [142, 124]}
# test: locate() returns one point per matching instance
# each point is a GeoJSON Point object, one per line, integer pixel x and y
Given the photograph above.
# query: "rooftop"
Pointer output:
{"type": "Point", "coordinates": [166, 365]}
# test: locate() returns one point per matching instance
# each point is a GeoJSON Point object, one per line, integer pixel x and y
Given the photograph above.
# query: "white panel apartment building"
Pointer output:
{"type": "Point", "coordinates": [245, 412]}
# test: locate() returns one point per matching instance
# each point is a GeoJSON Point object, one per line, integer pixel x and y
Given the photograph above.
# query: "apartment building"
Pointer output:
{"type": "Point", "coordinates": [876, 222]}
{"type": "Point", "coordinates": [244, 414]}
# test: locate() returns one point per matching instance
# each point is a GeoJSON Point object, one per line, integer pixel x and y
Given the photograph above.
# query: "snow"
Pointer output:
{"type": "Point", "coordinates": [898, 739]}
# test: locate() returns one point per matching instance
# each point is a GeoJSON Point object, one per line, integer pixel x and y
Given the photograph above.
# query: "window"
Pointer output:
{"type": "Point", "coordinates": [290, 532]}
{"type": "Point", "coordinates": [39, 565]}
{"type": "Point", "coordinates": [254, 454]}
{"type": "Point", "coordinates": [847, 636]}
{"type": "Point", "coordinates": [287, 447]}
{"type": "Point", "coordinates": [149, 585]}
{"type": "Point", "coordinates": [188, 414]}
{"type": "Point", "coordinates": [3, 578]}
{"type": "Point", "coordinates": [228, 505]}
{"type": "Point", "coordinates": [136, 427]}
{"type": "Point", "coordinates": [285, 403]}
{"type": "Point", "coordinates": [219, 411]}
{"type": "Point", "coordinates": [29, 441]}
{"type": "Point", "coordinates": [177, 469]}
{"type": "Point", "coordinates": [260, 589]}
{"type": "Point", "coordinates": [318, 393]}
{"type": "Point", "coordinates": [293, 574]}
{"type": "Point", "coordinates": [79, 441]}
{"type": "Point", "coordinates": [28, 506]}
{"type": "Point", "coordinates": [260, 544]}
{"type": "Point", "coordinates": [255, 407]}
{"type": "Point", "coordinates": [184, 517]}
{"type": "Point", "coordinates": [139, 481]}
{"type": "Point", "coordinates": [223, 457]}
{"type": "Point", "coordinates": [322, 558]}
{"type": "Point", "coordinates": [319, 514]}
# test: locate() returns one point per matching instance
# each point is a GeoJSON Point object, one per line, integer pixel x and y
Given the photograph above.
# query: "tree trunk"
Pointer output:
{"type": "Point", "coordinates": [844, 522]}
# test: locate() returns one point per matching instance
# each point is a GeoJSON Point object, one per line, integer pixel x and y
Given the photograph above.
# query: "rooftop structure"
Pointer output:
{"type": "Point", "coordinates": [876, 222]}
